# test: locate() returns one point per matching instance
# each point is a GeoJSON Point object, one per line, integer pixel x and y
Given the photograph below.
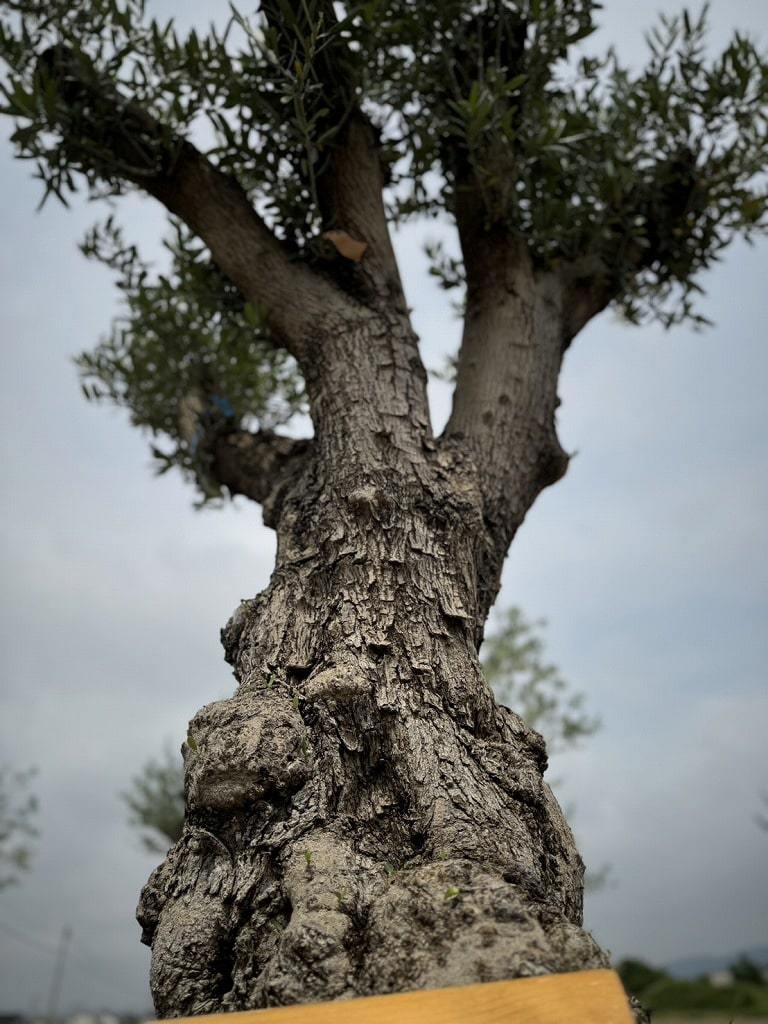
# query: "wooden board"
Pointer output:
{"type": "Point", "coordinates": [586, 997]}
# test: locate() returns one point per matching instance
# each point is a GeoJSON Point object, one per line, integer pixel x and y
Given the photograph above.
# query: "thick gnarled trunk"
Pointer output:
{"type": "Point", "coordinates": [361, 816]}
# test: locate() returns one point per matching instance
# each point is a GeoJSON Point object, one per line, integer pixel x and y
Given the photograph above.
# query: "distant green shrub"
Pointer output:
{"type": "Point", "coordinates": [747, 970]}
{"type": "Point", "coordinates": [637, 976]}
{"type": "Point", "coordinates": [660, 993]}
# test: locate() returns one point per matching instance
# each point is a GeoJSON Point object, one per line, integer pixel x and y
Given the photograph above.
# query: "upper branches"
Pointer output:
{"type": "Point", "coordinates": [606, 185]}
{"type": "Point", "coordinates": [315, 51]}
{"type": "Point", "coordinates": [277, 97]}
{"type": "Point", "coordinates": [642, 177]}
{"type": "Point", "coordinates": [314, 106]}
{"type": "Point", "coordinates": [111, 139]}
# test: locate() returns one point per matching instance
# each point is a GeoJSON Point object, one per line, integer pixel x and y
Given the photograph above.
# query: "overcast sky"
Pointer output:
{"type": "Point", "coordinates": [648, 561]}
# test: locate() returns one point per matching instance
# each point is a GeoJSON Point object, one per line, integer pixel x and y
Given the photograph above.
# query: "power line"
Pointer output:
{"type": "Point", "coordinates": [85, 966]}
{"type": "Point", "coordinates": [26, 940]}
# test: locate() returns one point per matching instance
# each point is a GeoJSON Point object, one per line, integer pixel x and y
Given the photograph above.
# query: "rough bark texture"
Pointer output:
{"type": "Point", "coordinates": [361, 816]}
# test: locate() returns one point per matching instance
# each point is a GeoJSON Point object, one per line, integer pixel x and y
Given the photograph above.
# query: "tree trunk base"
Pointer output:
{"type": "Point", "coordinates": [431, 926]}
{"type": "Point", "coordinates": [362, 817]}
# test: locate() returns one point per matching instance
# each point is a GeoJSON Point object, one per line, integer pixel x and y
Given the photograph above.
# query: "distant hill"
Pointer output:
{"type": "Point", "coordinates": [695, 966]}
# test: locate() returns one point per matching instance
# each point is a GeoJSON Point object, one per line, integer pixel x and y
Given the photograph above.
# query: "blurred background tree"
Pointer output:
{"type": "Point", "coordinates": [515, 666]}
{"type": "Point", "coordinates": [18, 808]}
{"type": "Point", "coordinates": [739, 988]}
{"type": "Point", "coordinates": [762, 818]}
{"type": "Point", "coordinates": [155, 801]}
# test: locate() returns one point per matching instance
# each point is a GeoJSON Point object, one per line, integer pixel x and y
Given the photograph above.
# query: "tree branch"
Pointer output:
{"type": "Point", "coordinates": [519, 322]}
{"type": "Point", "coordinates": [351, 196]}
{"type": "Point", "coordinates": [108, 135]}
{"type": "Point", "coordinates": [349, 177]}
{"type": "Point", "coordinates": [662, 208]}
{"type": "Point", "coordinates": [257, 466]}
{"type": "Point", "coordinates": [254, 465]}
{"type": "Point", "coordinates": [506, 386]}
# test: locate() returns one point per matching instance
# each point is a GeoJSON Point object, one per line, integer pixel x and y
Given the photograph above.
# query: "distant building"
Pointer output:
{"type": "Point", "coordinates": [720, 979]}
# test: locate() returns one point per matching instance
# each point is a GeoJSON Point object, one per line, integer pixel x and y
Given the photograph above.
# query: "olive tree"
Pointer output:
{"type": "Point", "coordinates": [362, 816]}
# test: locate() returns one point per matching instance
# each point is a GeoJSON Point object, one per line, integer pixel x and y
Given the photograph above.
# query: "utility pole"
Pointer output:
{"type": "Point", "coordinates": [58, 973]}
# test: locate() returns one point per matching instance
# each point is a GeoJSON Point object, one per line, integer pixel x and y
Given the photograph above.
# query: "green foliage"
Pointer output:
{"type": "Point", "coordinates": [156, 802]}
{"type": "Point", "coordinates": [514, 666]}
{"type": "Point", "coordinates": [581, 157]}
{"type": "Point", "coordinates": [747, 971]}
{"type": "Point", "coordinates": [661, 993]}
{"type": "Point", "coordinates": [185, 348]}
{"type": "Point", "coordinates": [587, 160]}
{"type": "Point", "coordinates": [18, 809]}
{"type": "Point", "coordinates": [635, 180]}
{"type": "Point", "coordinates": [577, 154]}
{"type": "Point", "coordinates": [637, 976]}
{"type": "Point", "coordinates": [458, 81]}
{"type": "Point", "coordinates": [254, 91]}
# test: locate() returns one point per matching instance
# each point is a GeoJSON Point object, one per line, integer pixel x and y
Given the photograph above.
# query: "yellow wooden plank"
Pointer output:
{"type": "Point", "coordinates": [585, 997]}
